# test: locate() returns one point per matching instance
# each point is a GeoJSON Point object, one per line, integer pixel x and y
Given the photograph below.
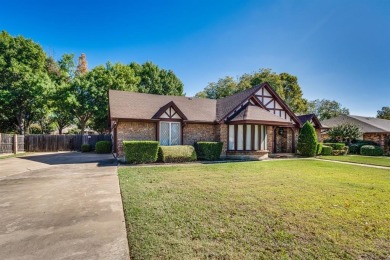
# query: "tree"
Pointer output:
{"type": "Point", "coordinates": [325, 109]}
{"type": "Point", "coordinates": [24, 81]}
{"type": "Point", "coordinates": [82, 66]}
{"type": "Point", "coordinates": [345, 132]}
{"type": "Point", "coordinates": [284, 84]}
{"type": "Point", "coordinates": [154, 80]}
{"type": "Point", "coordinates": [384, 113]}
{"type": "Point", "coordinates": [112, 76]}
{"type": "Point", "coordinates": [307, 140]}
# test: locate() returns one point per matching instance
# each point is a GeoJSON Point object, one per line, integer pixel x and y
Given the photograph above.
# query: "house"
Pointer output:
{"type": "Point", "coordinates": [251, 123]}
{"type": "Point", "coordinates": [373, 129]}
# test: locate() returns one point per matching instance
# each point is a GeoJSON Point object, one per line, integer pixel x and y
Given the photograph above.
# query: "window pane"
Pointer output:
{"type": "Point", "coordinates": [248, 142]}
{"type": "Point", "coordinates": [231, 137]}
{"type": "Point", "coordinates": [164, 133]}
{"type": "Point", "coordinates": [256, 137]}
{"type": "Point", "coordinates": [240, 137]}
{"type": "Point", "coordinates": [175, 133]}
{"type": "Point", "coordinates": [265, 137]}
{"type": "Point", "coordinates": [262, 138]}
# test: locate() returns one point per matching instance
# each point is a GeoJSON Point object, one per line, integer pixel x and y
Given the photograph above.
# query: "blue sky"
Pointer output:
{"type": "Point", "coordinates": [338, 49]}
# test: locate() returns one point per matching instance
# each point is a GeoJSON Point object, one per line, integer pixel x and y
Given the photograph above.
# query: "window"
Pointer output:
{"type": "Point", "coordinates": [247, 137]}
{"type": "Point", "coordinates": [169, 133]}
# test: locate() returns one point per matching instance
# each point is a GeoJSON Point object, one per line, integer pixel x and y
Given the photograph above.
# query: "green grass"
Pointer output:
{"type": "Point", "coordinates": [371, 160]}
{"type": "Point", "coordinates": [278, 209]}
{"type": "Point", "coordinates": [13, 155]}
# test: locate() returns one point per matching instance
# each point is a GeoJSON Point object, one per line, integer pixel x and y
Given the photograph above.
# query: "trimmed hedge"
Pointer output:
{"type": "Point", "coordinates": [371, 150]}
{"type": "Point", "coordinates": [355, 147]}
{"type": "Point", "coordinates": [209, 151]}
{"type": "Point", "coordinates": [86, 148]}
{"type": "Point", "coordinates": [140, 151]}
{"type": "Point", "coordinates": [336, 146]}
{"type": "Point", "coordinates": [307, 141]}
{"type": "Point", "coordinates": [103, 147]}
{"type": "Point", "coordinates": [327, 150]}
{"type": "Point", "coordinates": [319, 148]}
{"type": "Point", "coordinates": [176, 153]}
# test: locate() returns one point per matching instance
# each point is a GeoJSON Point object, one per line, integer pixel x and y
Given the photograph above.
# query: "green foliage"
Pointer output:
{"type": "Point", "coordinates": [140, 151]}
{"type": "Point", "coordinates": [384, 113]}
{"type": "Point", "coordinates": [284, 84]}
{"type": "Point", "coordinates": [336, 146]}
{"type": "Point", "coordinates": [176, 153]}
{"type": "Point", "coordinates": [343, 151]}
{"type": "Point", "coordinates": [354, 148]}
{"type": "Point", "coordinates": [325, 109]}
{"type": "Point", "coordinates": [86, 148]}
{"type": "Point", "coordinates": [307, 140]}
{"type": "Point", "coordinates": [24, 81]}
{"type": "Point", "coordinates": [344, 132]}
{"type": "Point", "coordinates": [319, 148]}
{"type": "Point", "coordinates": [209, 151]}
{"type": "Point", "coordinates": [371, 150]}
{"type": "Point", "coordinates": [327, 150]}
{"type": "Point", "coordinates": [103, 147]}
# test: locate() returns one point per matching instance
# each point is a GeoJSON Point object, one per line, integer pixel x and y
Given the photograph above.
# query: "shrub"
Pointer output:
{"type": "Point", "coordinates": [176, 153]}
{"type": "Point", "coordinates": [209, 151]}
{"type": "Point", "coordinates": [371, 150]}
{"type": "Point", "coordinates": [140, 151]}
{"type": "Point", "coordinates": [103, 147]}
{"type": "Point", "coordinates": [344, 132]}
{"type": "Point", "coordinates": [355, 147]}
{"type": "Point", "coordinates": [319, 148]}
{"type": "Point", "coordinates": [85, 148]}
{"type": "Point", "coordinates": [327, 150]}
{"type": "Point", "coordinates": [336, 146]}
{"type": "Point", "coordinates": [307, 140]}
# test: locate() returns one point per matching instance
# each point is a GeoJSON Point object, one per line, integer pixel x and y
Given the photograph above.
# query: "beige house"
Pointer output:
{"type": "Point", "coordinates": [373, 129]}
{"type": "Point", "coordinates": [251, 123]}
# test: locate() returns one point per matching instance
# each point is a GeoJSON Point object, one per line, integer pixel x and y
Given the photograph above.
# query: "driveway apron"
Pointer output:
{"type": "Point", "coordinates": [61, 206]}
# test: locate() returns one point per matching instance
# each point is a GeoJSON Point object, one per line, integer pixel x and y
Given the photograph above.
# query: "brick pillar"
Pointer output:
{"type": "Point", "coordinates": [15, 144]}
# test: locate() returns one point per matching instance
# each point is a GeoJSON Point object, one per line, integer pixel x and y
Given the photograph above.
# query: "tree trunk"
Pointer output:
{"type": "Point", "coordinates": [82, 126]}
{"type": "Point", "coordinates": [20, 119]}
{"type": "Point", "coordinates": [60, 130]}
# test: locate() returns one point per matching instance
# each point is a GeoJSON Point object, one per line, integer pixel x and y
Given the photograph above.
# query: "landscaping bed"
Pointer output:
{"type": "Point", "coordinates": [275, 209]}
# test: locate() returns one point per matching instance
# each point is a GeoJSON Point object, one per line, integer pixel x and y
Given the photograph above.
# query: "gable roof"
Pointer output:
{"type": "Point", "coordinates": [132, 105]}
{"type": "Point", "coordinates": [310, 117]}
{"type": "Point", "coordinates": [254, 113]}
{"type": "Point", "coordinates": [366, 124]}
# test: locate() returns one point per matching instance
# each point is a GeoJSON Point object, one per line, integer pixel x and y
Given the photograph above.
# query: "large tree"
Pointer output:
{"type": "Point", "coordinates": [384, 113]}
{"type": "Point", "coordinates": [24, 82]}
{"type": "Point", "coordinates": [284, 84]}
{"type": "Point", "coordinates": [325, 109]}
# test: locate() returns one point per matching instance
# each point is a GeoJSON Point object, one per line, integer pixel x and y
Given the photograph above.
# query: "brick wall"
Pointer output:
{"type": "Point", "coordinates": [222, 136]}
{"type": "Point", "coordinates": [381, 139]}
{"type": "Point", "coordinates": [198, 132]}
{"type": "Point", "coordinates": [270, 138]}
{"type": "Point", "coordinates": [127, 131]}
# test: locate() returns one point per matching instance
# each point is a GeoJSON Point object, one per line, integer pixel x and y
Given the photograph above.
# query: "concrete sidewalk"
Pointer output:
{"type": "Point", "coordinates": [61, 206]}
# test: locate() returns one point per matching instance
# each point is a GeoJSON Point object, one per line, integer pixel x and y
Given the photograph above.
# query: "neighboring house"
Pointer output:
{"type": "Point", "coordinates": [251, 123]}
{"type": "Point", "coordinates": [373, 129]}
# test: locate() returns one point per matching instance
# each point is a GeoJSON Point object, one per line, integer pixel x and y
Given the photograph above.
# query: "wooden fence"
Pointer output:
{"type": "Point", "coordinates": [10, 143]}
{"type": "Point", "coordinates": [54, 143]}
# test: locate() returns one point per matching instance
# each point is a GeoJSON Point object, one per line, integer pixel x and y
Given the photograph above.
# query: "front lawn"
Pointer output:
{"type": "Point", "coordinates": [275, 209]}
{"type": "Point", "coordinates": [371, 160]}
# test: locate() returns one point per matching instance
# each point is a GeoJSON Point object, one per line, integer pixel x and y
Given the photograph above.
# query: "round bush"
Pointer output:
{"type": "Point", "coordinates": [103, 147]}
{"type": "Point", "coordinates": [307, 140]}
{"type": "Point", "coordinates": [327, 150]}
{"type": "Point", "coordinates": [85, 148]}
{"type": "Point", "coordinates": [371, 150]}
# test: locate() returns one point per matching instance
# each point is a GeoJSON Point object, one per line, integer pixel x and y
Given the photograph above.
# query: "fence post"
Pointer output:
{"type": "Point", "coordinates": [15, 144]}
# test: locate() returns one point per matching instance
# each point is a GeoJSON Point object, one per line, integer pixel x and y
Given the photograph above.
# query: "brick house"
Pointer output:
{"type": "Point", "coordinates": [251, 123]}
{"type": "Point", "coordinates": [373, 129]}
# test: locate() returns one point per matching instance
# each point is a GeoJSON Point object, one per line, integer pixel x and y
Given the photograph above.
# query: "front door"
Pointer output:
{"type": "Point", "coordinates": [280, 140]}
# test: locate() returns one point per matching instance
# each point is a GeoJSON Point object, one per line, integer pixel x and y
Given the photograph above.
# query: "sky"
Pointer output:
{"type": "Point", "coordinates": [338, 49]}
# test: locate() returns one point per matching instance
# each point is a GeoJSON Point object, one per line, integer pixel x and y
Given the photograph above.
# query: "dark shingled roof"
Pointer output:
{"type": "Point", "coordinates": [309, 117]}
{"type": "Point", "coordinates": [132, 105]}
{"type": "Point", "coordinates": [366, 124]}
{"type": "Point", "coordinates": [227, 104]}
{"type": "Point", "coordinates": [255, 113]}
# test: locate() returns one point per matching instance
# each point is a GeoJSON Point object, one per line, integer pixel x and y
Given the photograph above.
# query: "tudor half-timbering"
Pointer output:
{"type": "Point", "coordinates": [251, 123]}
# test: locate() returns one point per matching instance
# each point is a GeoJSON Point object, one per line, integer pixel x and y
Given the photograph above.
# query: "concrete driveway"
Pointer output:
{"type": "Point", "coordinates": [61, 206]}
